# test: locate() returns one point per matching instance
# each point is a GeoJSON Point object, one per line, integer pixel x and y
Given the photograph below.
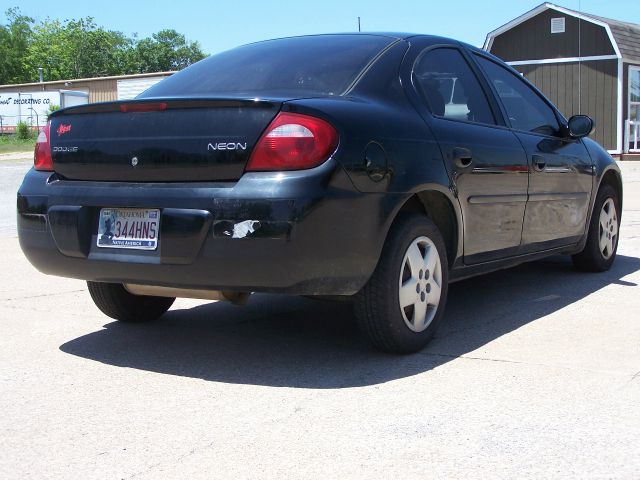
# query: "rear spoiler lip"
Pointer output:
{"type": "Point", "coordinates": [172, 103]}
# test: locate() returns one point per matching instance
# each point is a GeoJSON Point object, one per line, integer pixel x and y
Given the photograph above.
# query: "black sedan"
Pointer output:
{"type": "Point", "coordinates": [379, 167]}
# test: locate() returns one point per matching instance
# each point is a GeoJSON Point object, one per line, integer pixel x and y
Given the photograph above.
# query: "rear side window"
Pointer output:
{"type": "Point", "coordinates": [323, 64]}
{"type": "Point", "coordinates": [524, 107]}
{"type": "Point", "coordinates": [450, 88]}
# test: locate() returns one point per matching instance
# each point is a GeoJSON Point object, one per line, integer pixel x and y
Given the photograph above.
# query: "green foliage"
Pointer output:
{"type": "Point", "coordinates": [76, 49]}
{"type": "Point", "coordinates": [81, 49]}
{"type": "Point", "coordinates": [164, 51]}
{"type": "Point", "coordinates": [52, 108]}
{"type": "Point", "coordinates": [11, 143]}
{"type": "Point", "coordinates": [23, 131]}
{"type": "Point", "coordinates": [15, 38]}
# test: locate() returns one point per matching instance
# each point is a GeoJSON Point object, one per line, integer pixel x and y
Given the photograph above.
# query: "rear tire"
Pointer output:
{"type": "Point", "coordinates": [402, 304]}
{"type": "Point", "coordinates": [116, 302]}
{"type": "Point", "coordinates": [604, 230]}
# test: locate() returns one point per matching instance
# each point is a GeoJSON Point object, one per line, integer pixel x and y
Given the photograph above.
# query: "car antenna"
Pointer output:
{"type": "Point", "coordinates": [580, 57]}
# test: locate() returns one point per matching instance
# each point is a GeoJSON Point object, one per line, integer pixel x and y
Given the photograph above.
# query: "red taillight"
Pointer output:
{"type": "Point", "coordinates": [42, 156]}
{"type": "Point", "coordinates": [143, 107]}
{"type": "Point", "coordinates": [293, 142]}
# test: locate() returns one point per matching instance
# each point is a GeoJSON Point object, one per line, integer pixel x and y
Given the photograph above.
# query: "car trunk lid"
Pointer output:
{"type": "Point", "coordinates": [164, 140]}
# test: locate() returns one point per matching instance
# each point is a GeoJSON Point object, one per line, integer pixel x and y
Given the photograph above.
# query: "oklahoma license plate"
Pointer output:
{"type": "Point", "coordinates": [136, 228]}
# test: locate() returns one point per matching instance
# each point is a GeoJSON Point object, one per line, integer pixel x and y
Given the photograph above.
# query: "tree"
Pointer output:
{"type": "Point", "coordinates": [164, 51]}
{"type": "Point", "coordinates": [81, 49]}
{"type": "Point", "coordinates": [14, 42]}
{"type": "Point", "coordinates": [77, 49]}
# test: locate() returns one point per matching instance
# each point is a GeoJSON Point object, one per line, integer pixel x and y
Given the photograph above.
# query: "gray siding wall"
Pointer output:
{"type": "Point", "coordinates": [533, 40]}
{"type": "Point", "coordinates": [596, 96]}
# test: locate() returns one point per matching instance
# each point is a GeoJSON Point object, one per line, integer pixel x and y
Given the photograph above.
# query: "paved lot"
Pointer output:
{"type": "Point", "coordinates": [536, 374]}
{"type": "Point", "coordinates": [12, 167]}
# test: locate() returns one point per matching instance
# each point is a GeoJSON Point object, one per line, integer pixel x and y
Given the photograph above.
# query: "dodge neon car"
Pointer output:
{"type": "Point", "coordinates": [377, 167]}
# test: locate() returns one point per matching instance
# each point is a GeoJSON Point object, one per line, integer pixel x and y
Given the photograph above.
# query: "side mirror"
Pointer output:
{"type": "Point", "coordinates": [580, 126]}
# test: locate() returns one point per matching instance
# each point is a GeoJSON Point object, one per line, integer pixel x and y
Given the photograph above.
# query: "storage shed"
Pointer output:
{"type": "Point", "coordinates": [99, 89]}
{"type": "Point", "coordinates": [583, 63]}
{"type": "Point", "coordinates": [28, 102]}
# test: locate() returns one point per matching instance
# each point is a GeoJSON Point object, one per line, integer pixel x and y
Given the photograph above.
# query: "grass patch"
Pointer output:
{"type": "Point", "coordinates": [11, 144]}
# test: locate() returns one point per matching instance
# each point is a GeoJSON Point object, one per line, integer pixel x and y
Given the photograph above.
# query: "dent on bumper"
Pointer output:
{"type": "Point", "coordinates": [299, 237]}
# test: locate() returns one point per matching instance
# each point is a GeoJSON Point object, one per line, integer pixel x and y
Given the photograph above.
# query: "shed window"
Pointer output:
{"type": "Point", "coordinates": [557, 25]}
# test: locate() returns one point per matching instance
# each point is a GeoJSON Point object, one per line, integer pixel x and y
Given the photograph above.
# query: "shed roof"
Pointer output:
{"type": "Point", "coordinates": [626, 35]}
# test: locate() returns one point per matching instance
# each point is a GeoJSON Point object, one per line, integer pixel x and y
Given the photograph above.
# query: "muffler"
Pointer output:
{"type": "Point", "coordinates": [237, 298]}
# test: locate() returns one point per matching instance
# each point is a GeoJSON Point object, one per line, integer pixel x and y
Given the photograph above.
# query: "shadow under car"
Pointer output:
{"type": "Point", "coordinates": [286, 341]}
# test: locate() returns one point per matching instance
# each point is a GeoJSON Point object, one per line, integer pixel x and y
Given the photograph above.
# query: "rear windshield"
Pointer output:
{"type": "Point", "coordinates": [324, 64]}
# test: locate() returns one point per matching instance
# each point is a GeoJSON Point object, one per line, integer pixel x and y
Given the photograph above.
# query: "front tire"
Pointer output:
{"type": "Point", "coordinates": [116, 302]}
{"type": "Point", "coordinates": [402, 304]}
{"type": "Point", "coordinates": [602, 238]}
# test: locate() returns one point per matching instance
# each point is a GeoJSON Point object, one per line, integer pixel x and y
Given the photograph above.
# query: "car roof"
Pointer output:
{"type": "Point", "coordinates": [395, 35]}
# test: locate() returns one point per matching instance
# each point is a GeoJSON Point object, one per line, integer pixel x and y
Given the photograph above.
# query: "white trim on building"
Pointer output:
{"type": "Point", "coordinates": [632, 127]}
{"type": "Point", "coordinates": [564, 60]}
{"type": "Point", "coordinates": [619, 121]}
{"type": "Point", "coordinates": [542, 8]}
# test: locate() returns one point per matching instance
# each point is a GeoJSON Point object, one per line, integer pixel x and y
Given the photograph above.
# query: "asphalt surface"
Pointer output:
{"type": "Point", "coordinates": [535, 374]}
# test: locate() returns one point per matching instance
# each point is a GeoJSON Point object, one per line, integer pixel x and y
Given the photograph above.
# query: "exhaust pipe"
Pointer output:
{"type": "Point", "coordinates": [237, 298]}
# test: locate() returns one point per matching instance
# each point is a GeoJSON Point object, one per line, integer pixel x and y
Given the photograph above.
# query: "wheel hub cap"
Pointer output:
{"type": "Point", "coordinates": [608, 228]}
{"type": "Point", "coordinates": [420, 284]}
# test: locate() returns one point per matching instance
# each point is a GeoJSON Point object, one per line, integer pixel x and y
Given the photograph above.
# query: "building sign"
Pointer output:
{"type": "Point", "coordinates": [31, 108]}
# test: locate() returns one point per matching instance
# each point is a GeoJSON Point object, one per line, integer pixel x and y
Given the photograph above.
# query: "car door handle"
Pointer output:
{"type": "Point", "coordinates": [539, 163]}
{"type": "Point", "coordinates": [462, 157]}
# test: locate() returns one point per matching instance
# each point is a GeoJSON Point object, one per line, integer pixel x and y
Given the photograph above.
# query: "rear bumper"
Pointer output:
{"type": "Point", "coordinates": [314, 233]}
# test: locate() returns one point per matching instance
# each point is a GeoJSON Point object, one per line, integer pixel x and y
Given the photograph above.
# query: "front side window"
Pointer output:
{"type": "Point", "coordinates": [450, 88]}
{"type": "Point", "coordinates": [524, 107]}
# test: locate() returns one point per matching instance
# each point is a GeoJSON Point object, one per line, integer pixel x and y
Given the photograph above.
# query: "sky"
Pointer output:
{"type": "Point", "coordinates": [221, 25]}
